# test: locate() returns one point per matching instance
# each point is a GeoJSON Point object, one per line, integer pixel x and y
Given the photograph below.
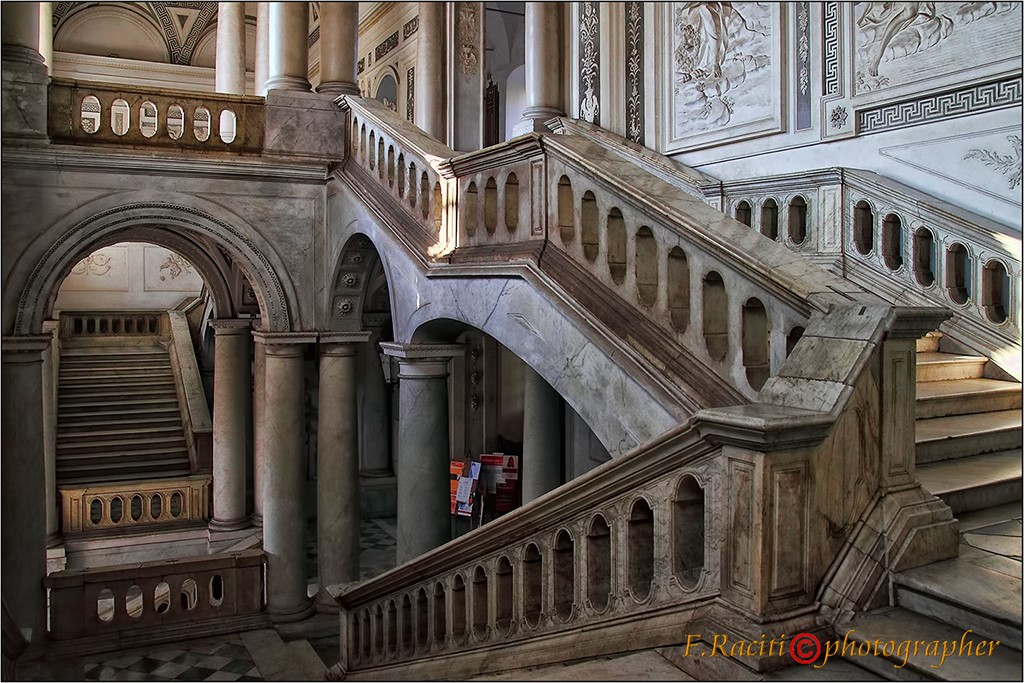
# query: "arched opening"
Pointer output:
{"type": "Point", "coordinates": [599, 563]}
{"type": "Point", "coordinates": [589, 225]}
{"type": "Point", "coordinates": [105, 605]}
{"type": "Point", "coordinates": [405, 643]}
{"type": "Point", "coordinates": [439, 610]}
{"type": "Point", "coordinates": [716, 316]}
{"type": "Point", "coordinates": [792, 338]}
{"type": "Point", "coordinates": [863, 227]}
{"type": "Point", "coordinates": [924, 257]}
{"type": "Point", "coordinates": [770, 219]}
{"type": "Point", "coordinates": [511, 202]}
{"type": "Point", "coordinates": [362, 142]}
{"type": "Point", "coordinates": [646, 266]}
{"type": "Point", "coordinates": [892, 241]}
{"type": "Point", "coordinates": [438, 208]}
{"type": "Point", "coordinates": [413, 175]}
{"type": "Point", "coordinates": [958, 273]}
{"type": "Point", "coordinates": [380, 158]}
{"type": "Point", "coordinates": [503, 600]}
{"type": "Point", "coordinates": [490, 206]}
{"type": "Point", "coordinates": [227, 127]}
{"type": "Point", "coordinates": [615, 235]}
{"type": "Point", "coordinates": [641, 549]}
{"type": "Point", "coordinates": [401, 175]}
{"type": "Point", "coordinates": [133, 602]}
{"type": "Point", "coordinates": [201, 124]}
{"type": "Point", "coordinates": [564, 579]}
{"type": "Point", "coordinates": [480, 603]}
{"type": "Point", "coordinates": [995, 291]}
{"type": "Point", "coordinates": [743, 213]}
{"type": "Point", "coordinates": [149, 119]}
{"type": "Point", "coordinates": [678, 289]}
{"type": "Point", "coordinates": [391, 644]}
{"type": "Point", "coordinates": [688, 528]}
{"type": "Point", "coordinates": [373, 158]}
{"type": "Point", "coordinates": [121, 117]}
{"type": "Point", "coordinates": [458, 609]}
{"type": "Point", "coordinates": [175, 122]}
{"type": "Point", "coordinates": [533, 581]}
{"type": "Point", "coordinates": [422, 623]}
{"type": "Point", "coordinates": [391, 166]}
{"type": "Point", "coordinates": [378, 633]}
{"type": "Point", "coordinates": [756, 336]}
{"type": "Point", "coordinates": [472, 211]}
{"type": "Point", "coordinates": [797, 220]}
{"type": "Point", "coordinates": [566, 220]}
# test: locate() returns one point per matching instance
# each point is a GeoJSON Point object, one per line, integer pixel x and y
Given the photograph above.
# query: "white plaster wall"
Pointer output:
{"type": "Point", "coordinates": [515, 99]}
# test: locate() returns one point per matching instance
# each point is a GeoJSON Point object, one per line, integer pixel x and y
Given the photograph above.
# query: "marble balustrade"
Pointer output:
{"type": "Point", "coordinates": [132, 504]}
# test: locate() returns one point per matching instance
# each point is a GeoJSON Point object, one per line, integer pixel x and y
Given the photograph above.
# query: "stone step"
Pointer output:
{"type": "Point", "coordinates": [129, 428]}
{"type": "Point", "coordinates": [967, 596]}
{"type": "Point", "coordinates": [141, 455]}
{"type": "Point", "coordinates": [110, 477]}
{"type": "Point", "coordinates": [929, 342]}
{"type": "Point", "coordinates": [87, 405]}
{"type": "Point", "coordinates": [74, 394]}
{"type": "Point", "coordinates": [66, 449]}
{"type": "Point", "coordinates": [959, 436]}
{"type": "Point", "coordinates": [101, 350]}
{"type": "Point", "coordinates": [933, 366]}
{"type": "Point", "coordinates": [904, 662]}
{"type": "Point", "coordinates": [119, 416]}
{"type": "Point", "coordinates": [966, 396]}
{"type": "Point", "coordinates": [975, 483]}
{"type": "Point", "coordinates": [120, 378]}
{"type": "Point", "coordinates": [106, 359]}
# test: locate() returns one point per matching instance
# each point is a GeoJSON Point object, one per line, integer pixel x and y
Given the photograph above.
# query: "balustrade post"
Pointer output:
{"type": "Point", "coordinates": [423, 447]}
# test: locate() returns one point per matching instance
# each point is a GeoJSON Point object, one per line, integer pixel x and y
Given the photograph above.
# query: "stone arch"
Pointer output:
{"type": "Point", "coordinates": [122, 29]}
{"type": "Point", "coordinates": [360, 293]}
{"type": "Point", "coordinates": [168, 224]}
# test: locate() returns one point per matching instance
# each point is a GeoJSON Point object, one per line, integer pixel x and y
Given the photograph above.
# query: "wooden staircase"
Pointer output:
{"type": "Point", "coordinates": [118, 417]}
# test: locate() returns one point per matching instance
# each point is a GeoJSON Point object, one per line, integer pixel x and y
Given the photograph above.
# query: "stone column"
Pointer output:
{"type": "Point", "coordinates": [46, 34]}
{"type": "Point", "coordinates": [430, 91]}
{"type": "Point", "coordinates": [337, 466]}
{"type": "Point", "coordinates": [230, 73]}
{"type": "Point", "coordinates": [423, 490]}
{"type": "Point", "coordinates": [25, 78]}
{"type": "Point", "coordinates": [19, 32]}
{"type": "Point", "coordinates": [339, 48]}
{"type": "Point", "coordinates": [230, 381]}
{"type": "Point", "coordinates": [284, 517]}
{"type": "Point", "coordinates": [259, 392]}
{"type": "Point", "coordinates": [23, 481]}
{"type": "Point", "coordinates": [288, 65]}
{"type": "Point", "coordinates": [544, 59]}
{"type": "Point", "coordinates": [542, 436]}
{"type": "Point", "coordinates": [374, 425]}
{"type": "Point", "coordinates": [262, 47]}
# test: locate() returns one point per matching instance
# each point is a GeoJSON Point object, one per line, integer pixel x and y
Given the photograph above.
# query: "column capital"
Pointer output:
{"type": "Point", "coordinates": [422, 361]}
{"type": "Point", "coordinates": [342, 344]}
{"type": "Point", "coordinates": [272, 339]}
{"type": "Point", "coordinates": [25, 348]}
{"type": "Point", "coordinates": [224, 326]}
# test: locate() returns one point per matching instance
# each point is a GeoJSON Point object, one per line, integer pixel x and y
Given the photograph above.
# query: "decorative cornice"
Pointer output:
{"type": "Point", "coordinates": [344, 337]}
{"type": "Point", "coordinates": [944, 105]}
{"type": "Point", "coordinates": [422, 352]}
{"type": "Point", "coordinates": [284, 338]}
{"type": "Point", "coordinates": [230, 325]}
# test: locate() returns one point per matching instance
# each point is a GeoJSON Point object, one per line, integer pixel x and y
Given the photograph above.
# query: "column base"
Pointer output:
{"type": "Point", "coordinates": [287, 83]}
{"type": "Point", "coordinates": [535, 120]}
{"type": "Point", "coordinates": [325, 603]}
{"type": "Point", "coordinates": [257, 520]}
{"type": "Point", "coordinates": [286, 616]}
{"type": "Point", "coordinates": [217, 525]}
{"type": "Point", "coordinates": [338, 88]}
{"type": "Point", "coordinates": [54, 539]}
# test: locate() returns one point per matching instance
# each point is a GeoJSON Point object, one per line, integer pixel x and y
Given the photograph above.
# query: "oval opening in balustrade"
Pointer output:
{"type": "Point", "coordinates": [756, 341]}
{"type": "Point", "coordinates": [189, 594]}
{"type": "Point", "coordinates": [120, 117]}
{"type": "Point", "coordinates": [615, 236]}
{"type": "Point", "coordinates": [589, 225]}
{"type": "Point", "coordinates": [958, 274]}
{"type": "Point", "coordinates": [646, 266]}
{"type": "Point", "coordinates": [797, 220]}
{"type": "Point", "coordinates": [401, 176]}
{"type": "Point", "coordinates": [770, 219]}
{"type": "Point", "coordinates": [533, 581]}
{"type": "Point", "coordinates": [392, 623]}
{"type": "Point", "coordinates": [228, 128]}
{"type": "Point", "coordinates": [133, 603]}
{"type": "Point", "coordinates": [91, 116]}
{"type": "Point", "coordinates": [641, 549]}
{"type": "Point", "coordinates": [599, 563]}
{"type": "Point", "coordinates": [405, 643]}
{"type": "Point", "coordinates": [176, 501]}
{"type": "Point", "coordinates": [105, 605]}
{"type": "Point", "coordinates": [149, 119]}
{"type": "Point", "coordinates": [201, 124]}
{"type": "Point", "coordinates": [422, 622]}
{"type": "Point", "coordinates": [863, 227]}
{"type": "Point", "coordinates": [511, 202]}
{"type": "Point", "coordinates": [413, 175]}
{"type": "Point", "coordinates": [480, 603]}
{"type": "Point", "coordinates": [135, 508]}
{"type": "Point", "coordinates": [162, 598]}
{"type": "Point", "coordinates": [175, 122]}
{"type": "Point", "coordinates": [490, 206]}
{"type": "Point", "coordinates": [216, 590]}
{"type": "Point", "coordinates": [439, 612]}
{"type": "Point", "coordinates": [366, 625]}
{"type": "Point", "coordinates": [104, 324]}
{"type": "Point", "coordinates": [995, 291]}
{"type": "Point", "coordinates": [743, 213]}
{"type": "Point", "coordinates": [116, 509]}
{"type": "Point", "coordinates": [716, 316]}
{"type": "Point", "coordinates": [378, 633]}
{"type": "Point", "coordinates": [362, 143]}
{"type": "Point", "coordinates": [380, 158]}
{"type": "Point", "coordinates": [924, 257]}
{"type": "Point", "coordinates": [688, 526]}
{"type": "Point", "coordinates": [458, 609]}
{"type": "Point", "coordinates": [565, 575]}
{"type": "Point", "coordinates": [503, 597]}
{"type": "Point", "coordinates": [792, 338]}
{"type": "Point", "coordinates": [566, 220]}
{"type": "Point", "coordinates": [892, 241]}
{"type": "Point", "coordinates": [678, 289]}
{"type": "Point", "coordinates": [96, 511]}
{"type": "Point", "coordinates": [156, 506]}
{"type": "Point", "coordinates": [373, 159]}
{"type": "Point", "coordinates": [472, 210]}
{"type": "Point", "coordinates": [425, 195]}
{"type": "Point", "coordinates": [438, 208]}
{"type": "Point", "coordinates": [391, 165]}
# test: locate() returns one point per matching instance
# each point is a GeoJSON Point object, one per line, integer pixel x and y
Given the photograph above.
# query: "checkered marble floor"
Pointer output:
{"type": "Point", "coordinates": [218, 659]}
{"type": "Point", "coordinates": [377, 548]}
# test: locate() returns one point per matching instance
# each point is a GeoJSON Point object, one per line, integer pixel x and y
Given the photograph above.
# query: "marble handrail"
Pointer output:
{"type": "Point", "coordinates": [133, 504]}
{"type": "Point", "coordinates": [195, 413]}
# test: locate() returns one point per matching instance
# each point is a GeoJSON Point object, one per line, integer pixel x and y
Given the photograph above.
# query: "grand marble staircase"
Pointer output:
{"type": "Point", "coordinates": [118, 416]}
